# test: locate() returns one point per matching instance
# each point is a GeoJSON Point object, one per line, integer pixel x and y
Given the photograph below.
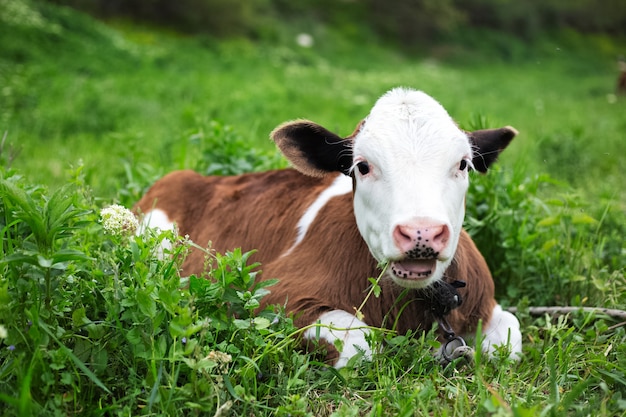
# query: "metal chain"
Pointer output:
{"type": "Point", "coordinates": [455, 346]}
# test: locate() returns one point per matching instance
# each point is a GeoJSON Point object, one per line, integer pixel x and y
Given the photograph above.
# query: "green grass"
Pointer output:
{"type": "Point", "coordinates": [105, 95]}
{"type": "Point", "coordinates": [98, 325]}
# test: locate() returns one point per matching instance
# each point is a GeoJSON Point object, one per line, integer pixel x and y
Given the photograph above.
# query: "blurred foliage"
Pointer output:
{"type": "Point", "coordinates": [532, 17]}
{"type": "Point", "coordinates": [217, 17]}
{"type": "Point", "coordinates": [403, 21]}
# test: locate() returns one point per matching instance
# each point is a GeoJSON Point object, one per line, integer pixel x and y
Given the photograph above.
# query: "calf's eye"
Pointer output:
{"type": "Point", "coordinates": [463, 165]}
{"type": "Point", "coordinates": [363, 167]}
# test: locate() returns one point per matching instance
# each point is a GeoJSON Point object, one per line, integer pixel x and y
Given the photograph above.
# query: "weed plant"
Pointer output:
{"type": "Point", "coordinates": [97, 323]}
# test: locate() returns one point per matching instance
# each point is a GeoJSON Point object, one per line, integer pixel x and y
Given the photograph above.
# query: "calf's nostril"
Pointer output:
{"type": "Point", "coordinates": [405, 233]}
{"type": "Point", "coordinates": [442, 237]}
{"type": "Point", "coordinates": [404, 237]}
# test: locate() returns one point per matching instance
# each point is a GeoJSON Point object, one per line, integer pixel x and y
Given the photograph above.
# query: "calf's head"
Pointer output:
{"type": "Point", "coordinates": [410, 164]}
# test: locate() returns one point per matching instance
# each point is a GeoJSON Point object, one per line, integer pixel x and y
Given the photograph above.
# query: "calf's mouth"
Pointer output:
{"type": "Point", "coordinates": [413, 269]}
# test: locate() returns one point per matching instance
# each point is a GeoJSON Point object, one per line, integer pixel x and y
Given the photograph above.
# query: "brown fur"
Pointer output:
{"type": "Point", "coordinates": [250, 211]}
{"type": "Point", "coordinates": [620, 88]}
{"type": "Point", "coordinates": [621, 84]}
{"type": "Point", "coordinates": [329, 269]}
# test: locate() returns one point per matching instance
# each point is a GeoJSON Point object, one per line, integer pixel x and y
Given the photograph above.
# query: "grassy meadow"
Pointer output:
{"type": "Point", "coordinates": [93, 323]}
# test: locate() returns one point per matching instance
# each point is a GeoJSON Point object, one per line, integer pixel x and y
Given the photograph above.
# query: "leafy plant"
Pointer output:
{"type": "Point", "coordinates": [75, 323]}
{"type": "Point", "coordinates": [213, 148]}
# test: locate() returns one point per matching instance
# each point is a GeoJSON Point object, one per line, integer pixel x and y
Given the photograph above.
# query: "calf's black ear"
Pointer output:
{"type": "Point", "coordinates": [312, 149]}
{"type": "Point", "coordinates": [488, 144]}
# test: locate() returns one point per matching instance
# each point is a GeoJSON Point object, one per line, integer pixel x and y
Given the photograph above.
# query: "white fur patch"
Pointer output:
{"type": "Point", "coordinates": [503, 330]}
{"type": "Point", "coordinates": [343, 326]}
{"type": "Point", "coordinates": [341, 185]}
{"type": "Point", "coordinates": [157, 219]}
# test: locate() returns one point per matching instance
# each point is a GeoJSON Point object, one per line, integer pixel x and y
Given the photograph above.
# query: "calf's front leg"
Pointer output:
{"type": "Point", "coordinates": [340, 326]}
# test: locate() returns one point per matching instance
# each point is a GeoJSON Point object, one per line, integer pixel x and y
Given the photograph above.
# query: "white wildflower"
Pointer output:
{"type": "Point", "coordinates": [118, 220]}
{"type": "Point", "coordinates": [3, 332]}
{"type": "Point", "coordinates": [219, 357]}
{"type": "Point", "coordinates": [224, 408]}
{"type": "Point", "coordinates": [305, 40]}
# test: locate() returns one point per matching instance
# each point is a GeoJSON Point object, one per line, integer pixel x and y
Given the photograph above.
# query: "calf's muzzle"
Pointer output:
{"type": "Point", "coordinates": [421, 240]}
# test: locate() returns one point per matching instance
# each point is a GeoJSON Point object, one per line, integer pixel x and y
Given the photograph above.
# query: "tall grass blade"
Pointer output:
{"type": "Point", "coordinates": [76, 361]}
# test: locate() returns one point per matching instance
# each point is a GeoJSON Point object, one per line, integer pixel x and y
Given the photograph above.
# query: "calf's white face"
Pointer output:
{"type": "Point", "coordinates": [409, 163]}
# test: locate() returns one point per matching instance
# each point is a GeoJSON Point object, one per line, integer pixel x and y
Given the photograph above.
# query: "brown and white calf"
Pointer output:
{"type": "Point", "coordinates": [393, 191]}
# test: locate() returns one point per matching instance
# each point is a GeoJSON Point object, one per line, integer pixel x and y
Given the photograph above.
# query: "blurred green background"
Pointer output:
{"type": "Point", "coordinates": [139, 80]}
